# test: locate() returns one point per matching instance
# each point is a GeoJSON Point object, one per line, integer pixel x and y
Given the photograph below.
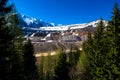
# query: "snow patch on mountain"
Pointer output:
{"type": "Point", "coordinates": [53, 24]}
{"type": "Point", "coordinates": [73, 26]}
{"type": "Point", "coordinates": [30, 24]}
{"type": "Point", "coordinates": [27, 21]}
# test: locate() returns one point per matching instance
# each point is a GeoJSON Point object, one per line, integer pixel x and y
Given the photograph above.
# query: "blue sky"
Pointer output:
{"type": "Point", "coordinates": [66, 11]}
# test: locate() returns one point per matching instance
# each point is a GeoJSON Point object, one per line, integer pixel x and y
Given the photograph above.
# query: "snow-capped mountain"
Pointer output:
{"type": "Point", "coordinates": [73, 26]}
{"type": "Point", "coordinates": [30, 24]}
{"type": "Point", "coordinates": [33, 22]}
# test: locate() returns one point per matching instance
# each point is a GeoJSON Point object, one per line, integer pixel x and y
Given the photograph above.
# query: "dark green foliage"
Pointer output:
{"type": "Point", "coordinates": [114, 34]}
{"type": "Point", "coordinates": [61, 69]}
{"type": "Point", "coordinates": [89, 52]}
{"type": "Point", "coordinates": [29, 62]}
{"type": "Point", "coordinates": [94, 48]}
{"type": "Point", "coordinates": [103, 50]}
{"type": "Point", "coordinates": [73, 58]}
{"type": "Point", "coordinates": [10, 44]}
{"type": "Point", "coordinates": [16, 46]}
{"type": "Point", "coordinates": [29, 57]}
{"type": "Point", "coordinates": [100, 30]}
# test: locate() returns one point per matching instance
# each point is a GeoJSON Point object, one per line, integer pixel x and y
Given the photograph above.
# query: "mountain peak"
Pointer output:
{"type": "Point", "coordinates": [30, 25]}
{"type": "Point", "coordinates": [33, 22]}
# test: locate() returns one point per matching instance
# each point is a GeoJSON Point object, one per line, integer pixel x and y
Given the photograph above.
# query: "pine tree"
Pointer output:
{"type": "Point", "coordinates": [16, 47]}
{"type": "Point", "coordinates": [113, 33]}
{"type": "Point", "coordinates": [103, 54]}
{"type": "Point", "coordinates": [93, 48]}
{"type": "Point", "coordinates": [29, 61]}
{"type": "Point", "coordinates": [10, 54]}
{"type": "Point", "coordinates": [88, 51]}
{"type": "Point", "coordinates": [73, 58]}
{"type": "Point", "coordinates": [61, 69]}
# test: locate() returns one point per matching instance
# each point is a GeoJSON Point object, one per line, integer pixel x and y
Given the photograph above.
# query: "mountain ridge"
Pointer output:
{"type": "Point", "coordinates": [31, 25]}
